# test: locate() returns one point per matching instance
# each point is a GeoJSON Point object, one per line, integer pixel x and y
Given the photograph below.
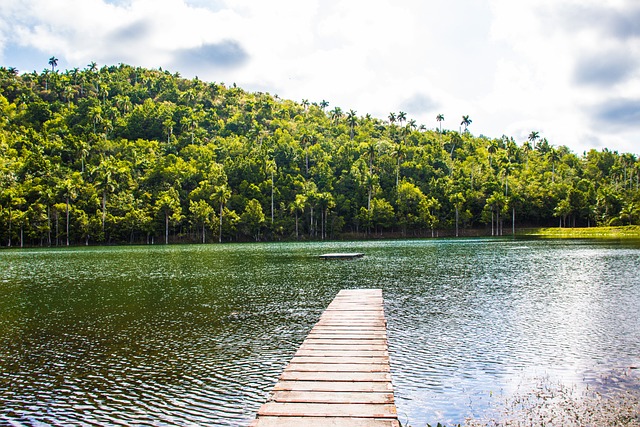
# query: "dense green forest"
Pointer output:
{"type": "Point", "coordinates": [123, 154]}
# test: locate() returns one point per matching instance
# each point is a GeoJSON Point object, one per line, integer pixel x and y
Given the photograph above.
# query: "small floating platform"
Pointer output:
{"type": "Point", "coordinates": [340, 376]}
{"type": "Point", "coordinates": [342, 255]}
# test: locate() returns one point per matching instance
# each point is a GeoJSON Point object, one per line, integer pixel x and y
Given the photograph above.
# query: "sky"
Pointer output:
{"type": "Point", "coordinates": [567, 69]}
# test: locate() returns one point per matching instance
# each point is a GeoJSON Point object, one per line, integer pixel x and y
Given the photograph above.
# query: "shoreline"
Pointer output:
{"type": "Point", "coordinates": [619, 232]}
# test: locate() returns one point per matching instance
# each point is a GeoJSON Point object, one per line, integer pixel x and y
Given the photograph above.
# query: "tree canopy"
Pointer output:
{"type": "Point", "coordinates": [126, 154]}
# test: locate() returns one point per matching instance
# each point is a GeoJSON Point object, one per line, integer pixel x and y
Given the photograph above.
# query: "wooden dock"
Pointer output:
{"type": "Point", "coordinates": [340, 376]}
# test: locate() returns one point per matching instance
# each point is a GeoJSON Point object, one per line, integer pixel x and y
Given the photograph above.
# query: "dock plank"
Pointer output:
{"type": "Point", "coordinates": [340, 375]}
{"type": "Point", "coordinates": [351, 397]}
{"type": "Point", "coordinates": [363, 410]}
{"type": "Point", "coordinates": [347, 386]}
{"type": "Point", "coordinates": [324, 422]}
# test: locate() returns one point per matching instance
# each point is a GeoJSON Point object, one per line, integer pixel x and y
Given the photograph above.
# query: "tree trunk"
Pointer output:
{"type": "Point", "coordinates": [49, 225]}
{"type": "Point", "coordinates": [67, 221]}
{"type": "Point", "coordinates": [513, 221]}
{"type": "Point", "coordinates": [492, 218]}
{"type": "Point", "coordinates": [166, 228]}
{"type": "Point", "coordinates": [457, 221]}
{"type": "Point", "coordinates": [220, 234]}
{"type": "Point", "coordinates": [104, 208]}
{"type": "Point", "coordinates": [57, 229]}
{"type": "Point", "coordinates": [10, 218]}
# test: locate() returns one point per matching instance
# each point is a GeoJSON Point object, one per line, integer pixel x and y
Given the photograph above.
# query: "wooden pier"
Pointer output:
{"type": "Point", "coordinates": [340, 376]}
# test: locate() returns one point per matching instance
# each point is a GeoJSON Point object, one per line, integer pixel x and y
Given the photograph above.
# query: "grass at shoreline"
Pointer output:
{"type": "Point", "coordinates": [621, 232]}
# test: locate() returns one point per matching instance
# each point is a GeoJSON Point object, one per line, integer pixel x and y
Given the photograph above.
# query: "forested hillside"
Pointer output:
{"type": "Point", "coordinates": [124, 154]}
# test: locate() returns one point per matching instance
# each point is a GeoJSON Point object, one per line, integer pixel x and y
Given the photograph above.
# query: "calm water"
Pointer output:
{"type": "Point", "coordinates": [197, 335]}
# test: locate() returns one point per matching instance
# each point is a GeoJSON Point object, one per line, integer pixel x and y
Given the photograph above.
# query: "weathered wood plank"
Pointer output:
{"type": "Point", "coordinates": [336, 376]}
{"type": "Point", "coordinates": [344, 329]}
{"type": "Point", "coordinates": [346, 341]}
{"type": "Point", "coordinates": [346, 386]}
{"type": "Point", "coordinates": [340, 367]}
{"type": "Point", "coordinates": [340, 353]}
{"type": "Point", "coordinates": [367, 360]}
{"type": "Point", "coordinates": [323, 422]}
{"type": "Point", "coordinates": [331, 397]}
{"type": "Point", "coordinates": [333, 346]}
{"type": "Point", "coordinates": [363, 410]}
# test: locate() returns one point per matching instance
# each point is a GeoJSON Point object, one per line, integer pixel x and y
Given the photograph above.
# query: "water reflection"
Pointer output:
{"type": "Point", "coordinates": [199, 334]}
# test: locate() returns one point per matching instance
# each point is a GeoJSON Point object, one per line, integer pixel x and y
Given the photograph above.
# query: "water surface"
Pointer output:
{"type": "Point", "coordinates": [197, 335]}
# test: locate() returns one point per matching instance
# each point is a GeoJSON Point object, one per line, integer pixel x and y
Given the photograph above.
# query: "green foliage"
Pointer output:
{"type": "Point", "coordinates": [126, 154]}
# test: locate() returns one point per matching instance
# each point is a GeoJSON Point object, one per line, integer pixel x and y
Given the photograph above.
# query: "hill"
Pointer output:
{"type": "Point", "coordinates": [126, 154]}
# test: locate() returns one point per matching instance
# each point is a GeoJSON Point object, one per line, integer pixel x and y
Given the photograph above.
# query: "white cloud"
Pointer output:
{"type": "Point", "coordinates": [559, 67]}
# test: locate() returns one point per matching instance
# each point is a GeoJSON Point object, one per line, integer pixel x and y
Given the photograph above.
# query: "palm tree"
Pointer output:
{"type": "Point", "coordinates": [457, 200]}
{"type": "Point", "coordinates": [105, 180]}
{"type": "Point", "coordinates": [297, 206]}
{"type": "Point", "coordinates": [402, 117]}
{"type": "Point", "coordinates": [440, 119]}
{"type": "Point", "coordinates": [466, 121]}
{"type": "Point", "coordinates": [491, 149]}
{"type": "Point", "coordinates": [222, 195]}
{"type": "Point", "coordinates": [533, 136]}
{"type": "Point", "coordinates": [352, 120]}
{"type": "Point", "coordinates": [554, 156]}
{"type": "Point", "coordinates": [271, 167]}
{"type": "Point", "coordinates": [336, 114]}
{"type": "Point", "coordinates": [398, 153]}
{"type": "Point", "coordinates": [324, 104]}
{"type": "Point", "coordinates": [53, 61]}
{"type": "Point", "coordinates": [392, 118]}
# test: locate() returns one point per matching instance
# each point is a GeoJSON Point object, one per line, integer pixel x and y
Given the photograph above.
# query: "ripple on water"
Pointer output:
{"type": "Point", "coordinates": [199, 335]}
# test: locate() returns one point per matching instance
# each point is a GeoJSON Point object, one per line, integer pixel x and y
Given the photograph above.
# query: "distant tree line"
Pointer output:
{"type": "Point", "coordinates": [123, 154]}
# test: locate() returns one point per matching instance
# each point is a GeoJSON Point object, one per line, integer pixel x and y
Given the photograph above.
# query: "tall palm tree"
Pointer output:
{"type": "Point", "coordinates": [440, 119]}
{"type": "Point", "coordinates": [297, 206]}
{"type": "Point", "coordinates": [53, 61]}
{"type": "Point", "coordinates": [324, 104]}
{"type": "Point", "coordinates": [352, 120]}
{"type": "Point", "coordinates": [402, 117]}
{"type": "Point", "coordinates": [336, 114]}
{"type": "Point", "coordinates": [491, 149]}
{"type": "Point", "coordinates": [392, 118]}
{"type": "Point", "coordinates": [533, 136]}
{"type": "Point", "coordinates": [466, 121]}
{"type": "Point", "coordinates": [398, 153]}
{"type": "Point", "coordinates": [554, 156]}
{"type": "Point", "coordinates": [222, 194]}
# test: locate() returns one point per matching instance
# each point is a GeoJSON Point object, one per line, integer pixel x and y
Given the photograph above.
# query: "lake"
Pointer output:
{"type": "Point", "coordinates": [198, 335]}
